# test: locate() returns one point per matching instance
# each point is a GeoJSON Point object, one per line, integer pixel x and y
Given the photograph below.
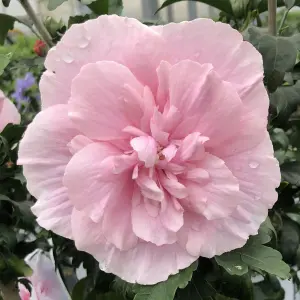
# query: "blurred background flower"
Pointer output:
{"type": "Point", "coordinates": [22, 85]}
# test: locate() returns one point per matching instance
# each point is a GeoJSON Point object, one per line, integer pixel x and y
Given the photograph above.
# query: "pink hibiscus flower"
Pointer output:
{"type": "Point", "coordinates": [8, 112]}
{"type": "Point", "coordinates": [151, 149]}
{"type": "Point", "coordinates": [45, 283]}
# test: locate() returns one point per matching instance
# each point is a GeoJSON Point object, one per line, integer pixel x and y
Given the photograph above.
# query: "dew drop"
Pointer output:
{"type": "Point", "coordinates": [68, 58]}
{"type": "Point", "coordinates": [257, 197]}
{"type": "Point", "coordinates": [103, 265]}
{"type": "Point", "coordinates": [253, 164]}
{"type": "Point", "coordinates": [83, 43]}
{"type": "Point", "coordinates": [238, 267]}
{"type": "Point", "coordinates": [197, 56]}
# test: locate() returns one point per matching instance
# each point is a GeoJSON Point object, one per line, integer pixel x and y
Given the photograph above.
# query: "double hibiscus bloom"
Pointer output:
{"type": "Point", "coordinates": [151, 148]}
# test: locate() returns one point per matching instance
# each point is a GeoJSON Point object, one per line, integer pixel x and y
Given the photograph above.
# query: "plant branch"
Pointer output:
{"type": "Point", "coordinates": [272, 9]}
{"type": "Point", "coordinates": [37, 22]}
{"type": "Point", "coordinates": [258, 20]}
{"type": "Point", "coordinates": [283, 19]}
{"type": "Point", "coordinates": [9, 291]}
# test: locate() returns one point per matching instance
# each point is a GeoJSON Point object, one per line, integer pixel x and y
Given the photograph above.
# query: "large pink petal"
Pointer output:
{"type": "Point", "coordinates": [202, 237]}
{"type": "Point", "coordinates": [91, 180]}
{"type": "Point", "coordinates": [117, 225]}
{"type": "Point", "coordinates": [99, 101]}
{"type": "Point", "coordinates": [99, 184]}
{"type": "Point", "coordinates": [192, 147]}
{"type": "Point", "coordinates": [149, 226]}
{"type": "Point", "coordinates": [257, 171]}
{"type": "Point", "coordinates": [146, 148]}
{"type": "Point", "coordinates": [171, 215]}
{"type": "Point", "coordinates": [171, 184]}
{"type": "Point", "coordinates": [163, 74]}
{"type": "Point", "coordinates": [203, 100]}
{"type": "Point", "coordinates": [214, 192]}
{"type": "Point", "coordinates": [149, 187]}
{"type": "Point", "coordinates": [44, 154]}
{"type": "Point", "coordinates": [250, 132]}
{"type": "Point", "coordinates": [108, 38]}
{"type": "Point", "coordinates": [8, 112]}
{"type": "Point", "coordinates": [145, 264]}
{"type": "Point", "coordinates": [235, 60]}
{"type": "Point", "coordinates": [258, 175]}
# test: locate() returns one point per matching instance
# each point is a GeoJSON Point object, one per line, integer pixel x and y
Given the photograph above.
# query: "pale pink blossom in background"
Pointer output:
{"type": "Point", "coordinates": [8, 112]}
{"type": "Point", "coordinates": [151, 149]}
{"type": "Point", "coordinates": [45, 283]}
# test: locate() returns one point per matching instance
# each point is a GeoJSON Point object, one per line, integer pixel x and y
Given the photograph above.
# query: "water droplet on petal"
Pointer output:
{"type": "Point", "coordinates": [67, 58]}
{"type": "Point", "coordinates": [253, 164]}
{"type": "Point", "coordinates": [197, 55]}
{"type": "Point", "coordinates": [257, 197]}
{"type": "Point", "coordinates": [83, 43]}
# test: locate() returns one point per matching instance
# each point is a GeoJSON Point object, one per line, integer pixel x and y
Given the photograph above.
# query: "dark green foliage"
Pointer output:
{"type": "Point", "coordinates": [6, 23]}
{"type": "Point", "coordinates": [15, 211]}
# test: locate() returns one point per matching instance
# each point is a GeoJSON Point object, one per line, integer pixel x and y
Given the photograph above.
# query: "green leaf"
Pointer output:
{"type": "Point", "coordinates": [235, 287]}
{"type": "Point", "coordinates": [105, 7]}
{"type": "Point", "coordinates": [53, 4]}
{"type": "Point", "coordinates": [289, 240]}
{"type": "Point", "coordinates": [222, 297]}
{"type": "Point", "coordinates": [4, 61]}
{"type": "Point", "coordinates": [21, 210]}
{"type": "Point", "coordinates": [279, 139]}
{"type": "Point", "coordinates": [268, 289]}
{"type": "Point", "coordinates": [6, 24]}
{"type": "Point", "coordinates": [265, 259]}
{"type": "Point", "coordinates": [267, 226]}
{"type": "Point", "coordinates": [165, 290]}
{"type": "Point", "coordinates": [223, 5]}
{"type": "Point", "coordinates": [239, 7]}
{"type": "Point", "coordinates": [284, 101]}
{"type": "Point", "coordinates": [294, 217]}
{"type": "Point", "coordinates": [78, 19]}
{"type": "Point", "coordinates": [232, 263]}
{"type": "Point", "coordinates": [254, 256]}
{"type": "Point", "coordinates": [279, 55]}
{"type": "Point", "coordinates": [6, 2]}
{"type": "Point", "coordinates": [8, 237]}
{"type": "Point", "coordinates": [79, 290]}
{"type": "Point", "coordinates": [263, 5]}
{"type": "Point", "coordinates": [200, 289]}
{"type": "Point", "coordinates": [19, 266]}
{"type": "Point", "coordinates": [290, 172]}
{"type": "Point", "coordinates": [13, 133]}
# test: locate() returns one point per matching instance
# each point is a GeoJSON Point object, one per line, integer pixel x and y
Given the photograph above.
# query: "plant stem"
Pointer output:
{"type": "Point", "coordinates": [37, 22]}
{"type": "Point", "coordinates": [286, 12]}
{"type": "Point", "coordinates": [9, 291]}
{"type": "Point", "coordinates": [272, 9]}
{"type": "Point", "coordinates": [259, 22]}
